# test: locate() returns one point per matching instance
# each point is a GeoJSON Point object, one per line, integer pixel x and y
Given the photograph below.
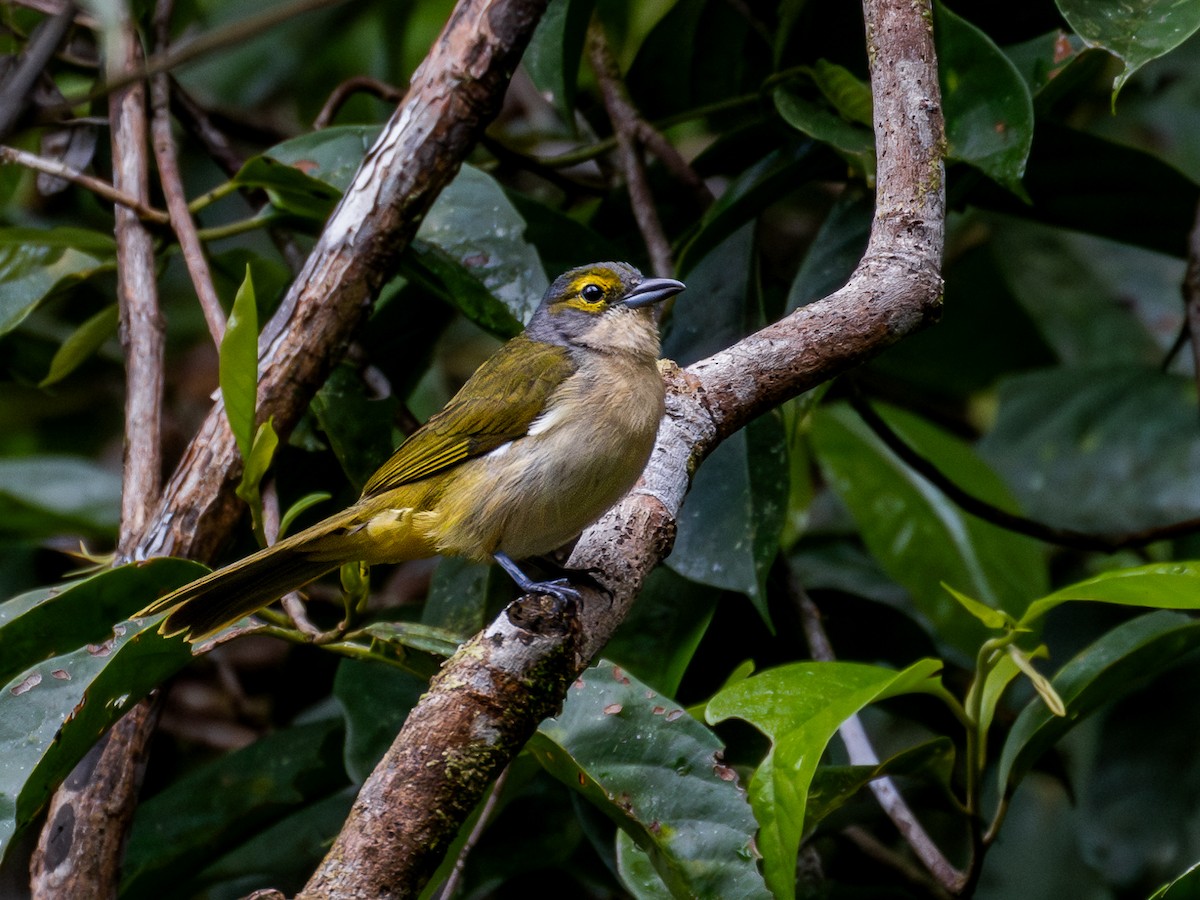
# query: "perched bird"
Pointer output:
{"type": "Point", "coordinates": [547, 434]}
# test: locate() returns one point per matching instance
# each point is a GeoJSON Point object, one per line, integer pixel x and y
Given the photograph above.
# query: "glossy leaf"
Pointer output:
{"type": "Point", "coordinates": [989, 111]}
{"type": "Point", "coordinates": [375, 700]}
{"type": "Point", "coordinates": [1102, 449]}
{"type": "Point", "coordinates": [835, 251]}
{"type": "Point", "coordinates": [554, 52]}
{"type": "Point", "coordinates": [656, 771]}
{"type": "Point", "coordinates": [239, 366]}
{"type": "Point", "coordinates": [438, 272]}
{"type": "Point", "coordinates": [1115, 665]}
{"type": "Point", "coordinates": [262, 452]}
{"type": "Point", "coordinates": [212, 810]}
{"type": "Point", "coordinates": [34, 262]}
{"type": "Point", "coordinates": [1184, 887]}
{"type": "Point", "coordinates": [1079, 309]}
{"type": "Point", "coordinates": [850, 95]}
{"type": "Point", "coordinates": [289, 187]}
{"type": "Point", "coordinates": [298, 508]}
{"type": "Point", "coordinates": [328, 157]}
{"type": "Point", "coordinates": [919, 537]}
{"type": "Point", "coordinates": [854, 142]}
{"type": "Point", "coordinates": [53, 712]}
{"type": "Point", "coordinates": [800, 707]}
{"type": "Point", "coordinates": [731, 523]}
{"type": "Point", "coordinates": [83, 342]}
{"type": "Point", "coordinates": [1172, 585]}
{"type": "Point", "coordinates": [358, 426]}
{"type": "Point", "coordinates": [55, 620]}
{"type": "Point", "coordinates": [1134, 31]}
{"type": "Point", "coordinates": [42, 494]}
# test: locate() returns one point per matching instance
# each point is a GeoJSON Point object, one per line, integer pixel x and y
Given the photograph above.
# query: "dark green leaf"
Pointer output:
{"type": "Point", "coordinates": [212, 810]}
{"type": "Point", "coordinates": [358, 426]}
{"type": "Point", "coordinates": [35, 261]}
{"type": "Point", "coordinates": [55, 620]}
{"type": "Point", "coordinates": [375, 701]}
{"type": "Point", "coordinates": [853, 142]}
{"type": "Point", "coordinates": [919, 537]}
{"type": "Point", "coordinates": [289, 188]}
{"type": "Point", "coordinates": [1118, 663]}
{"type": "Point", "coordinates": [1104, 449]}
{"type": "Point", "coordinates": [800, 707]}
{"type": "Point", "coordinates": [1185, 887]}
{"type": "Point", "coordinates": [438, 272]}
{"type": "Point", "coordinates": [83, 342]}
{"type": "Point", "coordinates": [298, 508]}
{"type": "Point", "coordinates": [239, 366]}
{"type": "Point", "coordinates": [989, 111]}
{"type": "Point", "coordinates": [53, 712]}
{"type": "Point", "coordinates": [730, 525]}
{"type": "Point", "coordinates": [836, 249]}
{"type": "Point", "coordinates": [47, 494]}
{"type": "Point", "coordinates": [1135, 31]}
{"type": "Point", "coordinates": [323, 159]}
{"type": "Point", "coordinates": [553, 55]}
{"type": "Point", "coordinates": [1173, 585]}
{"type": "Point", "coordinates": [656, 772]}
{"type": "Point", "coordinates": [850, 96]}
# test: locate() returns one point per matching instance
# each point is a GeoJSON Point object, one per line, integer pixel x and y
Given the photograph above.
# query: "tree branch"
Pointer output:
{"type": "Point", "coordinates": [464, 730]}
{"type": "Point", "coordinates": [79, 852]}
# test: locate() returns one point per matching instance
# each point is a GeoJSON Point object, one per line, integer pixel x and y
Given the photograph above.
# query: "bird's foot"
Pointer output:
{"type": "Point", "coordinates": [566, 597]}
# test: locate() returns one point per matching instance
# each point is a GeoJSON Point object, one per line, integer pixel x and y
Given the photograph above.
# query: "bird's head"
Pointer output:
{"type": "Point", "coordinates": [601, 305]}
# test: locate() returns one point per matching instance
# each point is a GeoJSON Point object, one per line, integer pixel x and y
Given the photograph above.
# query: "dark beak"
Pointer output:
{"type": "Point", "coordinates": [652, 290]}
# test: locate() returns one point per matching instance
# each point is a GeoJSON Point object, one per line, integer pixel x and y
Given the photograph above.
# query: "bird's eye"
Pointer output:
{"type": "Point", "coordinates": [592, 293]}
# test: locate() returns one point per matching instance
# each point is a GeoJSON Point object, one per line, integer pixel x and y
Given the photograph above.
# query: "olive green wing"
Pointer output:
{"type": "Point", "coordinates": [496, 405]}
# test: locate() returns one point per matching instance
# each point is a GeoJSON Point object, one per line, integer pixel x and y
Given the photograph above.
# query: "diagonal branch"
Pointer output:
{"type": "Point", "coordinates": [488, 699]}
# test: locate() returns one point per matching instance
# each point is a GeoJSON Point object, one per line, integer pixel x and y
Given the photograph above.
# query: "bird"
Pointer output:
{"type": "Point", "coordinates": [547, 434]}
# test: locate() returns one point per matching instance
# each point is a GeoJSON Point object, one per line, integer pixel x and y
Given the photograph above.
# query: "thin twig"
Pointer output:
{"type": "Point", "coordinates": [172, 184]}
{"type": "Point", "coordinates": [861, 753]}
{"type": "Point", "coordinates": [460, 863]}
{"type": "Point", "coordinates": [388, 93]}
{"type": "Point", "coordinates": [1063, 537]}
{"type": "Point", "coordinates": [79, 852]}
{"type": "Point", "coordinates": [14, 93]}
{"type": "Point", "coordinates": [1191, 294]}
{"type": "Point", "coordinates": [625, 124]}
{"type": "Point", "coordinates": [220, 38]}
{"type": "Point", "coordinates": [878, 851]}
{"type": "Point", "coordinates": [96, 185]}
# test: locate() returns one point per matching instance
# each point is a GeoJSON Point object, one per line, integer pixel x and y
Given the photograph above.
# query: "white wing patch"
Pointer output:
{"type": "Point", "coordinates": [546, 421]}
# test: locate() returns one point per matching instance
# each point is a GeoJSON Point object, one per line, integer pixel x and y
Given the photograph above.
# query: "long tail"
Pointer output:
{"type": "Point", "coordinates": [210, 603]}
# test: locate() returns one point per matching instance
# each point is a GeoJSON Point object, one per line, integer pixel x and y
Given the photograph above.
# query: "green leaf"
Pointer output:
{"type": "Point", "coordinates": [358, 426]}
{"type": "Point", "coordinates": [1080, 309]}
{"type": "Point", "coordinates": [850, 95]}
{"type": "Point", "coordinates": [44, 495]}
{"type": "Point", "coordinates": [375, 700]}
{"type": "Point", "coordinates": [919, 537]}
{"type": "Point", "coordinates": [459, 595]}
{"type": "Point", "coordinates": [214, 809]}
{"type": "Point", "coordinates": [239, 366]}
{"type": "Point", "coordinates": [298, 508]}
{"type": "Point", "coordinates": [1172, 585]}
{"type": "Point", "coordinates": [1102, 449]}
{"type": "Point", "coordinates": [552, 58]}
{"type": "Point", "coordinates": [438, 272]}
{"type": "Point", "coordinates": [34, 262]}
{"type": "Point", "coordinates": [262, 451]}
{"type": "Point", "coordinates": [653, 769]}
{"type": "Point", "coordinates": [1135, 31]}
{"type": "Point", "coordinates": [1117, 664]}
{"type": "Point", "coordinates": [747, 195]}
{"type": "Point", "coordinates": [836, 250]}
{"type": "Point", "coordinates": [1045, 690]}
{"type": "Point", "coordinates": [288, 187]}
{"type": "Point", "coordinates": [636, 871]}
{"type": "Point", "coordinates": [833, 786]}
{"type": "Point", "coordinates": [989, 111]}
{"type": "Point", "coordinates": [52, 713]}
{"type": "Point", "coordinates": [475, 223]}
{"type": "Point", "coordinates": [328, 157]}
{"type": "Point", "coordinates": [992, 618]}
{"type": "Point", "coordinates": [852, 141]}
{"type": "Point", "coordinates": [54, 620]}
{"type": "Point", "coordinates": [730, 526]}
{"type": "Point", "coordinates": [658, 638]}
{"type": "Point", "coordinates": [83, 342]}
{"type": "Point", "coordinates": [800, 707]}
{"type": "Point", "coordinates": [1185, 887]}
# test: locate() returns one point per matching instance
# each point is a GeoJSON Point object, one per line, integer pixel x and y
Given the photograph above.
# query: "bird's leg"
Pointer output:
{"type": "Point", "coordinates": [559, 589]}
